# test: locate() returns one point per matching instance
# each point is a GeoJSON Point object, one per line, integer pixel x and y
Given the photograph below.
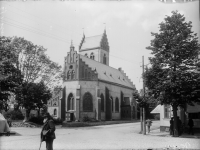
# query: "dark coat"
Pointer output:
{"type": "Point", "coordinates": [190, 123]}
{"type": "Point", "coordinates": [48, 125]}
{"type": "Point", "coordinates": [148, 122]}
{"type": "Point", "coordinates": [171, 124]}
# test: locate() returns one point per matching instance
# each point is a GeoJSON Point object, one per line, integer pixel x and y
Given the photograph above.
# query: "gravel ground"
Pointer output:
{"type": "Point", "coordinates": [118, 136]}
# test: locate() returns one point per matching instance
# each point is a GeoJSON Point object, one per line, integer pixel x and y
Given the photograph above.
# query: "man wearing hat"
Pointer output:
{"type": "Point", "coordinates": [47, 133]}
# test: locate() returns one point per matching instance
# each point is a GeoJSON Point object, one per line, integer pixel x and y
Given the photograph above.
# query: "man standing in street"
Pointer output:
{"type": "Point", "coordinates": [148, 123]}
{"type": "Point", "coordinates": [47, 133]}
{"type": "Point", "coordinates": [172, 126]}
{"type": "Point", "coordinates": [191, 124]}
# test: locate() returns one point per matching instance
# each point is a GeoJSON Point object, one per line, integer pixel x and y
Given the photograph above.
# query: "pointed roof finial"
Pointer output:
{"type": "Point", "coordinates": [71, 43]}
{"type": "Point", "coordinates": [104, 27]}
{"type": "Point", "coordinates": [83, 32]}
{"type": "Point", "coordinates": [72, 46]}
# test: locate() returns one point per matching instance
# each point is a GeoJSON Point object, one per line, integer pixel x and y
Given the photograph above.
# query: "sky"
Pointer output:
{"type": "Point", "coordinates": [128, 24]}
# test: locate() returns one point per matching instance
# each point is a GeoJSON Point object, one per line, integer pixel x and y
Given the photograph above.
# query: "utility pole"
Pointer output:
{"type": "Point", "coordinates": [144, 120]}
{"type": "Point", "coordinates": [141, 120]}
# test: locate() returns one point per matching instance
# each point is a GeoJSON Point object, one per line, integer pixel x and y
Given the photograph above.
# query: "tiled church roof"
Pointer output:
{"type": "Point", "coordinates": [108, 73]}
{"type": "Point", "coordinates": [91, 42]}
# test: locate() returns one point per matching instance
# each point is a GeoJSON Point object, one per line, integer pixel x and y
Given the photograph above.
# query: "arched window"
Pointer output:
{"type": "Point", "coordinates": [70, 102]}
{"type": "Point", "coordinates": [69, 75]}
{"type": "Point", "coordinates": [83, 71]}
{"type": "Point", "coordinates": [55, 112]}
{"type": "Point", "coordinates": [87, 102]}
{"type": "Point", "coordinates": [117, 104]}
{"type": "Point", "coordinates": [102, 103]}
{"type": "Point", "coordinates": [68, 58]}
{"type": "Point", "coordinates": [89, 75]}
{"type": "Point", "coordinates": [133, 114]}
{"type": "Point", "coordinates": [111, 98]}
{"type": "Point", "coordinates": [104, 58]}
{"type": "Point", "coordinates": [86, 74]}
{"type": "Point", "coordinates": [73, 74]}
{"type": "Point", "coordinates": [92, 56]}
{"type": "Point", "coordinates": [86, 55]}
{"type": "Point", "coordinates": [74, 57]}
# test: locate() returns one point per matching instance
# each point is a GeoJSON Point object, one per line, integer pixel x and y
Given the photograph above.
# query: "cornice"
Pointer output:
{"type": "Point", "coordinates": [116, 84]}
{"type": "Point", "coordinates": [89, 49]}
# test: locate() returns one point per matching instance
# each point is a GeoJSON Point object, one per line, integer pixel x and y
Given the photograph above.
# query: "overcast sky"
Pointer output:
{"type": "Point", "coordinates": [53, 24]}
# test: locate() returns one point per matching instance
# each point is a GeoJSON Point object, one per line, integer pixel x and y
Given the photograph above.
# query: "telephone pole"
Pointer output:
{"type": "Point", "coordinates": [144, 120]}
{"type": "Point", "coordinates": [141, 120]}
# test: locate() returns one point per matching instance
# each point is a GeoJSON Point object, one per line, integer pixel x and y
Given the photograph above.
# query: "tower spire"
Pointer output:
{"type": "Point", "coordinates": [83, 32]}
{"type": "Point", "coordinates": [72, 46]}
{"type": "Point", "coordinates": [104, 27]}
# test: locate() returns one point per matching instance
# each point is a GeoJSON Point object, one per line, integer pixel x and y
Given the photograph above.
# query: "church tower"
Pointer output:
{"type": "Point", "coordinates": [96, 48]}
{"type": "Point", "coordinates": [71, 65]}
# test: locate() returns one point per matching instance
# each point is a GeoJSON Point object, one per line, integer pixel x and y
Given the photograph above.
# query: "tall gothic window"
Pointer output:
{"type": "Point", "coordinates": [55, 112]}
{"type": "Point", "coordinates": [112, 103]}
{"type": "Point", "coordinates": [89, 75]}
{"type": "Point", "coordinates": [86, 74]}
{"type": "Point", "coordinates": [102, 103]}
{"type": "Point", "coordinates": [87, 102]}
{"type": "Point", "coordinates": [104, 58]}
{"type": "Point", "coordinates": [92, 56]}
{"type": "Point", "coordinates": [69, 75]}
{"type": "Point", "coordinates": [70, 102]}
{"type": "Point", "coordinates": [73, 74]}
{"type": "Point", "coordinates": [117, 104]}
{"type": "Point", "coordinates": [83, 71]}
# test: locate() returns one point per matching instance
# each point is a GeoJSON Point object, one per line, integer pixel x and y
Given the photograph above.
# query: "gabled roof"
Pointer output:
{"type": "Point", "coordinates": [94, 42]}
{"type": "Point", "coordinates": [156, 110]}
{"type": "Point", "coordinates": [91, 42]}
{"type": "Point", "coordinates": [107, 73]}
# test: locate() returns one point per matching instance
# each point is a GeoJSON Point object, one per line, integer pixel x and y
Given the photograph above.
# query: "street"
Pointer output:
{"type": "Point", "coordinates": [118, 136]}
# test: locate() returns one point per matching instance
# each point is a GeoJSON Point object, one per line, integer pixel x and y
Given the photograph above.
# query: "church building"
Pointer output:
{"type": "Point", "coordinates": [91, 88]}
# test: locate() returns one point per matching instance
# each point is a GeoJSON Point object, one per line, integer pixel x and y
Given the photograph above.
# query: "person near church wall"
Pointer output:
{"type": "Point", "coordinates": [191, 125]}
{"type": "Point", "coordinates": [172, 126]}
{"type": "Point", "coordinates": [179, 123]}
{"type": "Point", "coordinates": [48, 131]}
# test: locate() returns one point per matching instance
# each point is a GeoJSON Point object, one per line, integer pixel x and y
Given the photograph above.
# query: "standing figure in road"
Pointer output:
{"type": "Point", "coordinates": [179, 122]}
{"type": "Point", "coordinates": [172, 126]}
{"type": "Point", "coordinates": [191, 124]}
{"type": "Point", "coordinates": [47, 133]}
{"type": "Point", "coordinates": [148, 124]}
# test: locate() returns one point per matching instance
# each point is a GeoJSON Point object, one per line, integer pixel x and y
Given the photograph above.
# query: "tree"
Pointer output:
{"type": "Point", "coordinates": [173, 77]}
{"type": "Point", "coordinates": [33, 95]}
{"type": "Point", "coordinates": [34, 64]}
{"type": "Point", "coordinates": [10, 76]}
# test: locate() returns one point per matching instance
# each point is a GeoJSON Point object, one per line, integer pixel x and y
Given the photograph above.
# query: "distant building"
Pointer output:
{"type": "Point", "coordinates": [183, 113]}
{"type": "Point", "coordinates": [54, 104]}
{"type": "Point", "coordinates": [91, 87]}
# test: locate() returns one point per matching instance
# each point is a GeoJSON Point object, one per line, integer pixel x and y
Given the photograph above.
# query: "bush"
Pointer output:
{"type": "Point", "coordinates": [37, 120]}
{"type": "Point", "coordinates": [86, 119]}
{"type": "Point", "coordinates": [14, 115]}
{"type": "Point", "coordinates": [57, 121]}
